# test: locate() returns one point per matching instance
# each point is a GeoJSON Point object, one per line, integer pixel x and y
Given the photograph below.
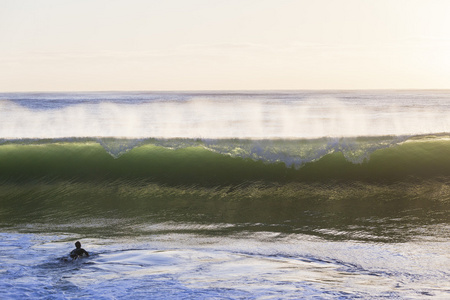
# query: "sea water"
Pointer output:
{"type": "Point", "coordinates": [225, 195]}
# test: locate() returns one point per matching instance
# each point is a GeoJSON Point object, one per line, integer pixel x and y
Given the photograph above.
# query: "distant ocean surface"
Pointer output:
{"type": "Point", "coordinates": [225, 195]}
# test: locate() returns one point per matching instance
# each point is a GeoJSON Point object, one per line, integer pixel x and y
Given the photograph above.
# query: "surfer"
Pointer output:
{"type": "Point", "coordinates": [78, 252]}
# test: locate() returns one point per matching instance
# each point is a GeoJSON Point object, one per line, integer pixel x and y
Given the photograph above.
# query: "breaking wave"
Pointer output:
{"type": "Point", "coordinates": [181, 161]}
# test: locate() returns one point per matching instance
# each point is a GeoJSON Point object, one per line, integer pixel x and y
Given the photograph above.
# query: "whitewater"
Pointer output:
{"type": "Point", "coordinates": [225, 195]}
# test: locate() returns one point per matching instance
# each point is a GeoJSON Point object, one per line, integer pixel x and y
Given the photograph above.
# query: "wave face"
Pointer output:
{"type": "Point", "coordinates": [403, 185]}
{"type": "Point", "coordinates": [223, 162]}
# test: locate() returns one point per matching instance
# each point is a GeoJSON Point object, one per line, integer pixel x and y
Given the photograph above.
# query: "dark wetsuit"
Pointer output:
{"type": "Point", "coordinates": [78, 252]}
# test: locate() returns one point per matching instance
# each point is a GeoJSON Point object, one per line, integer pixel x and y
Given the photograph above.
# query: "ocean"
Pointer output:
{"type": "Point", "coordinates": [225, 195]}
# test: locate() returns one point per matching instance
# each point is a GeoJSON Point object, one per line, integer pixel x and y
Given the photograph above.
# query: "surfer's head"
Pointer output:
{"type": "Point", "coordinates": [77, 244]}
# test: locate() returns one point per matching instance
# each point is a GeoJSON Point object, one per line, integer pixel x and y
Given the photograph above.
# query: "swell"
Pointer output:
{"type": "Point", "coordinates": [225, 162]}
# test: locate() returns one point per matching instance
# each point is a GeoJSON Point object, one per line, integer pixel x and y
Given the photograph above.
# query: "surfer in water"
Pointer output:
{"type": "Point", "coordinates": [78, 252]}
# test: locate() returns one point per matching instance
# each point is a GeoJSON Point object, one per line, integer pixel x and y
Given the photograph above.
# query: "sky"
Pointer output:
{"type": "Point", "coordinates": [107, 45]}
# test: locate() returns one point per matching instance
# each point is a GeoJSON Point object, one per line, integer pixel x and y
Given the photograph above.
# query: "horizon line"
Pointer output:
{"type": "Point", "coordinates": [228, 90]}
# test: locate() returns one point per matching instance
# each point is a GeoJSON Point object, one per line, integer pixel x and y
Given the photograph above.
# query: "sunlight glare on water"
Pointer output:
{"type": "Point", "coordinates": [180, 266]}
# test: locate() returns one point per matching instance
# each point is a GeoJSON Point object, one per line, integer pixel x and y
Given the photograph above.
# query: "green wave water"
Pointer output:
{"type": "Point", "coordinates": [227, 162]}
{"type": "Point", "coordinates": [78, 182]}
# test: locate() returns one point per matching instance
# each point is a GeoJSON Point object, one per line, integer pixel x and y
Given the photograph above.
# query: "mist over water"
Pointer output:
{"type": "Point", "coordinates": [258, 116]}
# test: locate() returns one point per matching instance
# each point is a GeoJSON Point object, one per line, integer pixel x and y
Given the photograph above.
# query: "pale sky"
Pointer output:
{"type": "Point", "coordinates": [98, 45]}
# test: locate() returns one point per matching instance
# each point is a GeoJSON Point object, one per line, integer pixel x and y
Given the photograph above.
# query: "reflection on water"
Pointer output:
{"type": "Point", "coordinates": [249, 266]}
{"type": "Point", "coordinates": [335, 211]}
